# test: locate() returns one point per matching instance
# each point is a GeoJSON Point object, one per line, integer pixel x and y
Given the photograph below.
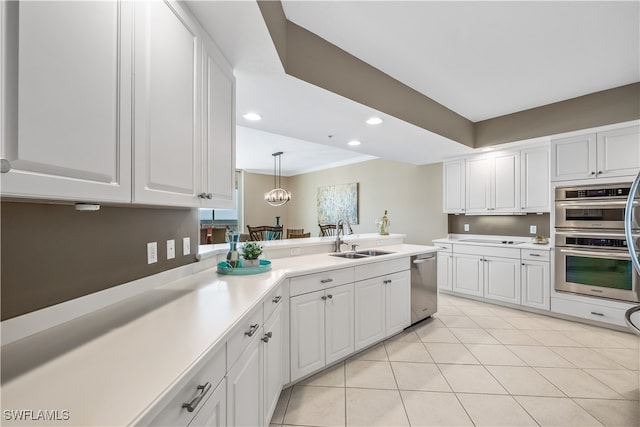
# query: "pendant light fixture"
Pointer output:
{"type": "Point", "coordinates": [278, 196]}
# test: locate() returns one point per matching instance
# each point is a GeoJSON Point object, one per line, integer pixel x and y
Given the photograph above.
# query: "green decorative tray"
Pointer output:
{"type": "Point", "coordinates": [225, 268]}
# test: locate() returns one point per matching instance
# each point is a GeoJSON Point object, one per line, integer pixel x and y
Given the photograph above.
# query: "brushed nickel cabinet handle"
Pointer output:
{"type": "Point", "coordinates": [326, 280]}
{"type": "Point", "coordinates": [204, 389]}
{"type": "Point", "coordinates": [595, 313]}
{"type": "Point", "coordinates": [276, 299]}
{"type": "Point", "coordinates": [252, 330]}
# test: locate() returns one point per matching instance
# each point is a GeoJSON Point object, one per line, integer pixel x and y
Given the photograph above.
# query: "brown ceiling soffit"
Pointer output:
{"type": "Point", "coordinates": [306, 56]}
{"type": "Point", "coordinates": [311, 58]}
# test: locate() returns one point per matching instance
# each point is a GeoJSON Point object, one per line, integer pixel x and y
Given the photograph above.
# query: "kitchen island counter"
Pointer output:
{"type": "Point", "coordinates": [117, 365]}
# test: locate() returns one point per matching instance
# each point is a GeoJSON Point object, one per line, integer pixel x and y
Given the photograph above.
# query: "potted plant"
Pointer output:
{"type": "Point", "coordinates": [250, 252]}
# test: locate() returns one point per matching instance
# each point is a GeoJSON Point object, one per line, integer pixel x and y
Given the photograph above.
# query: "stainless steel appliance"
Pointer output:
{"type": "Point", "coordinates": [596, 264]}
{"type": "Point", "coordinates": [424, 287]}
{"type": "Point", "coordinates": [593, 206]}
{"type": "Point", "coordinates": [632, 315]}
{"type": "Point", "coordinates": [592, 257]}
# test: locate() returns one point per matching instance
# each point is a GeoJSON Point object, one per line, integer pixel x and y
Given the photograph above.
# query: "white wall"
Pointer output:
{"type": "Point", "coordinates": [411, 194]}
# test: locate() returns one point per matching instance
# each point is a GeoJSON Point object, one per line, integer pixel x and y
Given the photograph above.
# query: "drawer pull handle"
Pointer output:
{"type": "Point", "coordinates": [276, 299]}
{"type": "Point", "coordinates": [535, 255]}
{"type": "Point", "coordinates": [252, 330]}
{"type": "Point", "coordinates": [386, 282]}
{"type": "Point", "coordinates": [267, 336]}
{"type": "Point", "coordinates": [595, 313]}
{"type": "Point", "coordinates": [326, 280]}
{"type": "Point", "coordinates": [204, 389]}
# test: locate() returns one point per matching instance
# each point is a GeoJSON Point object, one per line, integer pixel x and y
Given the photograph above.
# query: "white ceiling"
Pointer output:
{"type": "Point", "coordinates": [480, 59]}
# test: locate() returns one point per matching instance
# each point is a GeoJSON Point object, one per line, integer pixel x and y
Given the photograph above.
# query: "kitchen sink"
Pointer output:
{"type": "Point", "coordinates": [350, 255]}
{"type": "Point", "coordinates": [373, 252]}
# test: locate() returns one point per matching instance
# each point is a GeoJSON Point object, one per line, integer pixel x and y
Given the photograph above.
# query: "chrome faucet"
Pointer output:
{"type": "Point", "coordinates": [339, 241]}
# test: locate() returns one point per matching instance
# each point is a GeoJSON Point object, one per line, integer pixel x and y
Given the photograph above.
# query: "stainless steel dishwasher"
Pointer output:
{"type": "Point", "coordinates": [424, 288]}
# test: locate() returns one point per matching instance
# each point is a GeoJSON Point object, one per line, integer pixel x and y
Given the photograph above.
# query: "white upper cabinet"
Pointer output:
{"type": "Point", "coordinates": [167, 106]}
{"type": "Point", "coordinates": [453, 200]}
{"type": "Point", "coordinates": [134, 103]}
{"type": "Point", "coordinates": [612, 153]}
{"type": "Point", "coordinates": [618, 152]}
{"type": "Point", "coordinates": [66, 79]}
{"type": "Point", "coordinates": [534, 180]}
{"type": "Point", "coordinates": [218, 132]}
{"type": "Point", "coordinates": [492, 183]}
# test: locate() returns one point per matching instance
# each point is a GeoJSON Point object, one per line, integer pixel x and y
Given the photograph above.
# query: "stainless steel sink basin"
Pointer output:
{"type": "Point", "coordinates": [373, 252]}
{"type": "Point", "coordinates": [350, 255]}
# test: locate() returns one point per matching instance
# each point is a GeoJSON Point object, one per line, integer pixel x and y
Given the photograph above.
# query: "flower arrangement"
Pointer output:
{"type": "Point", "coordinates": [251, 251]}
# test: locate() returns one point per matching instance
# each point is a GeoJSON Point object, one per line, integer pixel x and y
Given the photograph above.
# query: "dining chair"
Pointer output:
{"type": "Point", "coordinates": [328, 229]}
{"type": "Point", "coordinates": [291, 231]}
{"type": "Point", "coordinates": [256, 233]}
{"type": "Point", "coordinates": [273, 232]}
{"type": "Point", "coordinates": [299, 236]}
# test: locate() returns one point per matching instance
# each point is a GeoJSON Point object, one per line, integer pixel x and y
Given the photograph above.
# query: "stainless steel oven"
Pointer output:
{"type": "Point", "coordinates": [594, 206]}
{"type": "Point", "coordinates": [596, 263]}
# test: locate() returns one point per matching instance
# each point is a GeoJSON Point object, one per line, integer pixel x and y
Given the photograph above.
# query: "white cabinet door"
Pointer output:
{"type": "Point", "coordinates": [67, 100]}
{"type": "Point", "coordinates": [398, 302]}
{"type": "Point", "coordinates": [505, 183]}
{"type": "Point", "coordinates": [478, 184]}
{"type": "Point", "coordinates": [573, 158]}
{"type": "Point", "coordinates": [535, 284]}
{"type": "Point", "coordinates": [273, 346]}
{"type": "Point", "coordinates": [214, 411]}
{"type": "Point", "coordinates": [369, 312]}
{"type": "Point", "coordinates": [454, 187]}
{"type": "Point", "coordinates": [444, 271]}
{"type": "Point", "coordinates": [618, 152]}
{"type": "Point", "coordinates": [218, 149]}
{"type": "Point", "coordinates": [502, 279]}
{"type": "Point", "coordinates": [468, 274]}
{"type": "Point", "coordinates": [245, 387]}
{"type": "Point", "coordinates": [534, 180]}
{"type": "Point", "coordinates": [167, 106]}
{"type": "Point", "coordinates": [339, 328]}
{"type": "Point", "coordinates": [307, 334]}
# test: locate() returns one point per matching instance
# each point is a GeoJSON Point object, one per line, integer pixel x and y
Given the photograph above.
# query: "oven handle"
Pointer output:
{"type": "Point", "coordinates": [575, 233]}
{"type": "Point", "coordinates": [613, 255]}
{"type": "Point", "coordinates": [595, 203]}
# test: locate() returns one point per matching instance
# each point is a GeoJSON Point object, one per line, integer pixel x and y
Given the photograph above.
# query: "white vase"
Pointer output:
{"type": "Point", "coordinates": [251, 262]}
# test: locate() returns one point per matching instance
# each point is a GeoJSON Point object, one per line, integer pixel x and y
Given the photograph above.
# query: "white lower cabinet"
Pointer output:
{"type": "Point", "coordinates": [502, 279]}
{"type": "Point", "coordinates": [369, 312]}
{"type": "Point", "coordinates": [321, 329]}
{"type": "Point", "coordinates": [245, 386]}
{"type": "Point", "coordinates": [398, 302]}
{"type": "Point", "coordinates": [467, 274]}
{"type": "Point", "coordinates": [535, 284]}
{"type": "Point", "coordinates": [273, 340]}
{"type": "Point", "coordinates": [445, 267]}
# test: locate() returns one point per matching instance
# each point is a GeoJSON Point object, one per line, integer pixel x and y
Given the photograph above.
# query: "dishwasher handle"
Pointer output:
{"type": "Point", "coordinates": [423, 260]}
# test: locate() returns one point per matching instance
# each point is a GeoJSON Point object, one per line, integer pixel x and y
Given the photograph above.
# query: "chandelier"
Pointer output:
{"type": "Point", "coordinates": [278, 196]}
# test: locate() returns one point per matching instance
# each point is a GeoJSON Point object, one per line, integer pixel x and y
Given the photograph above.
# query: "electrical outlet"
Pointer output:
{"type": "Point", "coordinates": [186, 246]}
{"type": "Point", "coordinates": [533, 229]}
{"type": "Point", "coordinates": [295, 251]}
{"type": "Point", "coordinates": [466, 227]}
{"type": "Point", "coordinates": [171, 249]}
{"type": "Point", "coordinates": [152, 252]}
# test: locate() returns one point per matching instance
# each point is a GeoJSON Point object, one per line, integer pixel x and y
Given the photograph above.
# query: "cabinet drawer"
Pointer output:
{"type": "Point", "coordinates": [241, 336]}
{"type": "Point", "coordinates": [583, 310]}
{"type": "Point", "coordinates": [534, 255]}
{"type": "Point", "coordinates": [208, 377]}
{"type": "Point", "coordinates": [445, 247]}
{"type": "Point", "coordinates": [317, 281]}
{"type": "Point", "coordinates": [367, 271]}
{"type": "Point", "coordinates": [273, 301]}
{"type": "Point", "coordinates": [487, 250]}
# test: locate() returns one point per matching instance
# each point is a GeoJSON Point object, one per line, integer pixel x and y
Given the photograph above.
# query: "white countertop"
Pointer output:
{"type": "Point", "coordinates": [111, 366]}
{"type": "Point", "coordinates": [495, 241]}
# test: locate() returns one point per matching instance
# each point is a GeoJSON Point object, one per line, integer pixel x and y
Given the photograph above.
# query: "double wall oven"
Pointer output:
{"type": "Point", "coordinates": [592, 254]}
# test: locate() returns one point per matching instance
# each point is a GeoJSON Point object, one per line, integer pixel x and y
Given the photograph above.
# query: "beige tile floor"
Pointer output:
{"type": "Point", "coordinates": [477, 364]}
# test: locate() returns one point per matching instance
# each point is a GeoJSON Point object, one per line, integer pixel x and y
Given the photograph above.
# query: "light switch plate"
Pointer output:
{"type": "Point", "coordinates": [466, 227]}
{"type": "Point", "coordinates": [152, 252]}
{"type": "Point", "coordinates": [533, 229]}
{"type": "Point", "coordinates": [186, 246]}
{"type": "Point", "coordinates": [171, 249]}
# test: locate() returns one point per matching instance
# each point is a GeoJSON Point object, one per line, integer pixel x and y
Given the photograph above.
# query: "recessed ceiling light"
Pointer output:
{"type": "Point", "coordinates": [252, 116]}
{"type": "Point", "coordinates": [374, 121]}
{"type": "Point", "coordinates": [354, 143]}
